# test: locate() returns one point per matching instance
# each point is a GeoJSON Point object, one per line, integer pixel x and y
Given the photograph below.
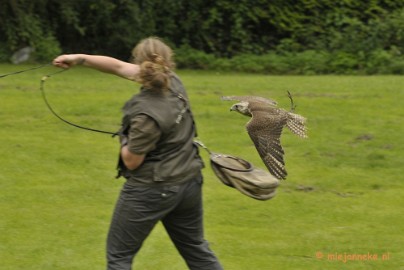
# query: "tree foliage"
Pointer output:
{"type": "Point", "coordinates": [344, 29]}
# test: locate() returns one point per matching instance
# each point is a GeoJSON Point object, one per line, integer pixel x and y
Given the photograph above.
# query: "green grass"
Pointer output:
{"type": "Point", "coordinates": [344, 192]}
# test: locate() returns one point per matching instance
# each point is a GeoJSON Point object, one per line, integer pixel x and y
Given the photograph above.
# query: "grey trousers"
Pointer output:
{"type": "Point", "coordinates": [179, 208]}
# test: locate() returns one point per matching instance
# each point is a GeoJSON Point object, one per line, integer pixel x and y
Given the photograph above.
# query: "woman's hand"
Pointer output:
{"type": "Point", "coordinates": [68, 60]}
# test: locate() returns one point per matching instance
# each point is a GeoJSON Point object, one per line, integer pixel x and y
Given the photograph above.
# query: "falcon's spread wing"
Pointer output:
{"type": "Point", "coordinates": [265, 131]}
{"type": "Point", "coordinates": [251, 99]}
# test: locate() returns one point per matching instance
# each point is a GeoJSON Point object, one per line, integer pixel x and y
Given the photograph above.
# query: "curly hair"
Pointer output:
{"type": "Point", "coordinates": [156, 63]}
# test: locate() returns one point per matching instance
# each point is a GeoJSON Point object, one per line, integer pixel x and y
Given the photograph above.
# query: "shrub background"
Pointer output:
{"type": "Point", "coordinates": [299, 37]}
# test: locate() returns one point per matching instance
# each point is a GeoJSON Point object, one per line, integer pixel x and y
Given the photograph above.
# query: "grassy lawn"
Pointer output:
{"type": "Point", "coordinates": [343, 195]}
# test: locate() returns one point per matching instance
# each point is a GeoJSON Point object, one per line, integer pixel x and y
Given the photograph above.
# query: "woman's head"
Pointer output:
{"type": "Point", "coordinates": [155, 59]}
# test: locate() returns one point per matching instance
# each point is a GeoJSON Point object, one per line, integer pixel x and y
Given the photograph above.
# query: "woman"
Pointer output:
{"type": "Point", "coordinates": [158, 158]}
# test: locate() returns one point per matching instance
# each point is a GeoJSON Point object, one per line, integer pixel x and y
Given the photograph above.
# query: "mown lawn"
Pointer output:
{"type": "Point", "coordinates": [343, 196]}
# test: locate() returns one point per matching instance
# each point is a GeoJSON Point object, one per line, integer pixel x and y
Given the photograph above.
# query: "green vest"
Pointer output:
{"type": "Point", "coordinates": [176, 158]}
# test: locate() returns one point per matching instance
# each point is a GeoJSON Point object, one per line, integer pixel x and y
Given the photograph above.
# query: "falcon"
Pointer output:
{"type": "Point", "coordinates": [265, 128]}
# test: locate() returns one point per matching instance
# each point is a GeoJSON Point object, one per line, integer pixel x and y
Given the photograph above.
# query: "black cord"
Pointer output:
{"type": "Point", "coordinates": [42, 88]}
{"type": "Point", "coordinates": [24, 70]}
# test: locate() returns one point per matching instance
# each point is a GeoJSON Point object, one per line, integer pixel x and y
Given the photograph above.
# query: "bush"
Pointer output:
{"type": "Point", "coordinates": [275, 63]}
{"type": "Point", "coordinates": [4, 53]}
{"type": "Point", "coordinates": [343, 63]}
{"type": "Point", "coordinates": [187, 57]}
{"type": "Point", "coordinates": [378, 61]}
{"type": "Point", "coordinates": [222, 64]}
{"type": "Point", "coordinates": [247, 63]}
{"type": "Point", "coordinates": [46, 49]}
{"type": "Point", "coordinates": [309, 62]}
{"type": "Point", "coordinates": [397, 66]}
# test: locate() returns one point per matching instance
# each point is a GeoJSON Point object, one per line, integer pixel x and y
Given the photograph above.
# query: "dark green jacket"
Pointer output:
{"type": "Point", "coordinates": [176, 158]}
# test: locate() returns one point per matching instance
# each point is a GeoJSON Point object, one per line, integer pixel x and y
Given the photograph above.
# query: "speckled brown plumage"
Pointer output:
{"type": "Point", "coordinates": [265, 129]}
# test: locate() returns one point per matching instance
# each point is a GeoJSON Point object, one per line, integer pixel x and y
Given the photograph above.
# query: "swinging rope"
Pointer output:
{"type": "Point", "coordinates": [24, 70]}
{"type": "Point", "coordinates": [42, 89]}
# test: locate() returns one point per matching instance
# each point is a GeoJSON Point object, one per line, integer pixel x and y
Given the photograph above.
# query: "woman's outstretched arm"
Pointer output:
{"type": "Point", "coordinates": [102, 63]}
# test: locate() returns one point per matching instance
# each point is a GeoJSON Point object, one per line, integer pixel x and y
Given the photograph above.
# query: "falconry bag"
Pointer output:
{"type": "Point", "coordinates": [242, 175]}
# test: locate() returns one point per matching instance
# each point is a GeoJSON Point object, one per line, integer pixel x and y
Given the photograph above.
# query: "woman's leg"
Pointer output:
{"type": "Point", "coordinates": [134, 218]}
{"type": "Point", "coordinates": [185, 227]}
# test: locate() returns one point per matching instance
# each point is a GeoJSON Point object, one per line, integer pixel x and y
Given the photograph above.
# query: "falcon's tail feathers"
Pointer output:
{"type": "Point", "coordinates": [296, 124]}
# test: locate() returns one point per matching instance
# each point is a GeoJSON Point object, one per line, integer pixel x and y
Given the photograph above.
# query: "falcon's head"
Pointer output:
{"type": "Point", "coordinates": [241, 107]}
